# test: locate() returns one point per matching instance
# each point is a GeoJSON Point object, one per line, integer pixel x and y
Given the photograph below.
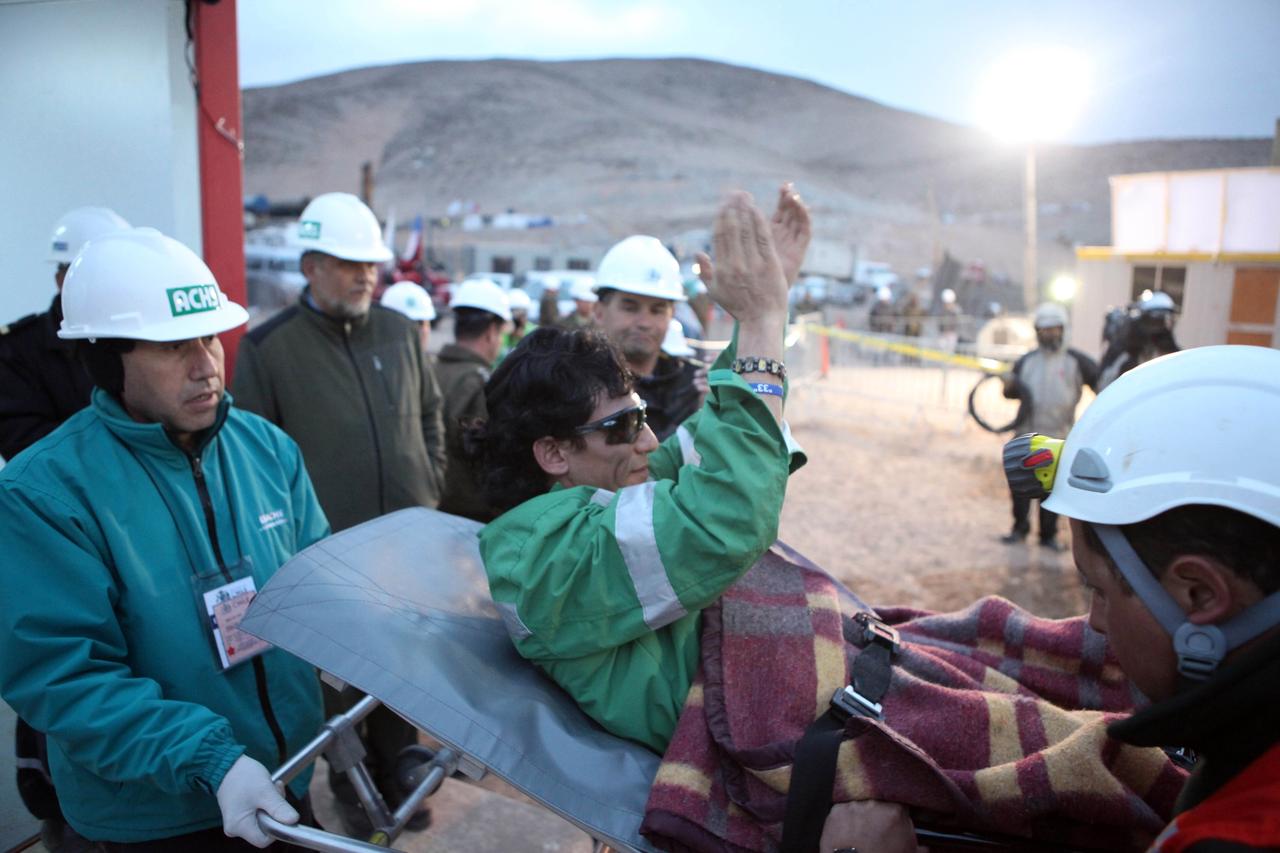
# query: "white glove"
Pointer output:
{"type": "Point", "coordinates": [245, 789]}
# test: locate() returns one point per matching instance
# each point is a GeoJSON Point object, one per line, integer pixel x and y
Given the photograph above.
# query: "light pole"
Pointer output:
{"type": "Point", "coordinates": [1031, 95]}
{"type": "Point", "coordinates": [1030, 267]}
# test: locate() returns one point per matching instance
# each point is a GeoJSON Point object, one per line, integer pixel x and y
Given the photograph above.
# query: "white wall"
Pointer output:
{"type": "Point", "coordinates": [97, 109]}
{"type": "Point", "coordinates": [1103, 286]}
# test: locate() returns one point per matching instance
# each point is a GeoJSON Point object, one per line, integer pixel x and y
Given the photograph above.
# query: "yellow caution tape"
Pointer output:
{"type": "Point", "coordinates": [987, 365]}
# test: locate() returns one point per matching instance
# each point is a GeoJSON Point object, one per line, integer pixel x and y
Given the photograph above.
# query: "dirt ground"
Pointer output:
{"type": "Point", "coordinates": [904, 499]}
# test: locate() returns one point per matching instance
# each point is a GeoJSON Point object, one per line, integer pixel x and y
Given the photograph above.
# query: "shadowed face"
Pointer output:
{"type": "Point", "coordinates": [635, 324]}
{"type": "Point", "coordinates": [343, 289]}
{"type": "Point", "coordinates": [176, 383]}
{"type": "Point", "coordinates": [1142, 647]}
{"type": "Point", "coordinates": [606, 462]}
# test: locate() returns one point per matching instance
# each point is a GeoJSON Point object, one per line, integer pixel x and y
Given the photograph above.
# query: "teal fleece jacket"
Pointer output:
{"type": "Point", "coordinates": [104, 525]}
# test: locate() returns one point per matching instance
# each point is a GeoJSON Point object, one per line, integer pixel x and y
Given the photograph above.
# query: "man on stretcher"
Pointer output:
{"type": "Point", "coordinates": [610, 550]}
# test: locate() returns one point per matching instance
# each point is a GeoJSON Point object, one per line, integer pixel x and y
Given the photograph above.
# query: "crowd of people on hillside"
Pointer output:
{"type": "Point", "coordinates": [148, 496]}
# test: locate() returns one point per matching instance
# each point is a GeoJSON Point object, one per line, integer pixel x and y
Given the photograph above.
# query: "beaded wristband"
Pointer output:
{"type": "Point", "coordinates": [766, 388]}
{"type": "Point", "coordinates": [756, 364]}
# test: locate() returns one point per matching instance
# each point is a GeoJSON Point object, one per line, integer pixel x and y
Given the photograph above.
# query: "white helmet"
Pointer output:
{"type": "Point", "coordinates": [141, 285]}
{"type": "Point", "coordinates": [948, 296]}
{"type": "Point", "coordinates": [483, 294]}
{"type": "Point", "coordinates": [518, 300]}
{"type": "Point", "coordinates": [410, 300]}
{"type": "Point", "coordinates": [1189, 428]}
{"type": "Point", "coordinates": [1050, 314]}
{"type": "Point", "coordinates": [1158, 301]}
{"type": "Point", "coordinates": [883, 293]}
{"type": "Point", "coordinates": [583, 290]}
{"type": "Point", "coordinates": [77, 227]}
{"type": "Point", "coordinates": [341, 225]}
{"type": "Point", "coordinates": [643, 266]}
{"type": "Point", "coordinates": [675, 343]}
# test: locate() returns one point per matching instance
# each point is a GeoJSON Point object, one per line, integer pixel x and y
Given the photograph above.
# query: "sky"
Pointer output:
{"type": "Point", "coordinates": [1141, 69]}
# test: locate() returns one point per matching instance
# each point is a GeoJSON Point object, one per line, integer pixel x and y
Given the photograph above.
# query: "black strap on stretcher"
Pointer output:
{"type": "Point", "coordinates": [813, 769]}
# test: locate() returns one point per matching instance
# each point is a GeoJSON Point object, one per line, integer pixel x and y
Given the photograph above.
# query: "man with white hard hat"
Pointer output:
{"type": "Point", "coordinates": [639, 284]}
{"type": "Point", "coordinates": [1049, 381]}
{"type": "Point", "coordinates": [1145, 333]}
{"type": "Point", "coordinates": [149, 520]}
{"type": "Point", "coordinates": [41, 384]}
{"type": "Point", "coordinates": [520, 304]}
{"type": "Point", "coordinates": [413, 301]}
{"type": "Point", "coordinates": [481, 313]}
{"type": "Point", "coordinates": [584, 304]}
{"type": "Point", "coordinates": [349, 381]}
{"type": "Point", "coordinates": [1175, 529]}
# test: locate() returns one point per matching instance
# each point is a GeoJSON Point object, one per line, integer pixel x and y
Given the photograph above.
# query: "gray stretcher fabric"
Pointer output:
{"type": "Point", "coordinates": [399, 607]}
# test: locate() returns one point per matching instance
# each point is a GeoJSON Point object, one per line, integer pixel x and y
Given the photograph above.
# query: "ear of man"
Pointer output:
{"type": "Point", "coordinates": [549, 453]}
{"type": "Point", "coordinates": [1206, 590]}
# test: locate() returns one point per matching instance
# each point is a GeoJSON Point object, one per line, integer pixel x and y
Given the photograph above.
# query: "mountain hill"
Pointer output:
{"type": "Point", "coordinates": [651, 145]}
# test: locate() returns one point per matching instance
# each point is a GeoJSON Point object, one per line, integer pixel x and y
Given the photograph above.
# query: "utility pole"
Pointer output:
{"type": "Point", "coordinates": [1030, 281]}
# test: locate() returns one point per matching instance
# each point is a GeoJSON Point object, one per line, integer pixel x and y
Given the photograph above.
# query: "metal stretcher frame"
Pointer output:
{"type": "Point", "coordinates": [399, 608]}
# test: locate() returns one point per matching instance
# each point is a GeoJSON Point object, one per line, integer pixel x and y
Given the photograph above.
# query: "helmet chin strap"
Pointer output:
{"type": "Point", "coordinates": [1200, 648]}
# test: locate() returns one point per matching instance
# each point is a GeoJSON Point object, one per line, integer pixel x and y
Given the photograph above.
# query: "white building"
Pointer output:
{"type": "Point", "coordinates": [1210, 239]}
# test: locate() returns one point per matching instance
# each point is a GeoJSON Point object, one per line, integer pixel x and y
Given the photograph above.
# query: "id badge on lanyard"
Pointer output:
{"type": "Point", "coordinates": [222, 599]}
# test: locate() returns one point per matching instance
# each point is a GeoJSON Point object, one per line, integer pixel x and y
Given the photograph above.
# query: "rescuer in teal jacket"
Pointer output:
{"type": "Point", "coordinates": [114, 526]}
{"type": "Point", "coordinates": [611, 545]}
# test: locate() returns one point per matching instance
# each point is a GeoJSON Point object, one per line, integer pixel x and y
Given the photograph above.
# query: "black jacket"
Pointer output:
{"type": "Point", "coordinates": [1229, 721]}
{"type": "Point", "coordinates": [41, 382]}
{"type": "Point", "coordinates": [669, 394]}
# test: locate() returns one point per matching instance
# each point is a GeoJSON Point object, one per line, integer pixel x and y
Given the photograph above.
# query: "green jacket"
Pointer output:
{"type": "Point", "coordinates": [102, 646]}
{"type": "Point", "coordinates": [462, 375]}
{"type": "Point", "coordinates": [603, 590]}
{"type": "Point", "coordinates": [359, 398]}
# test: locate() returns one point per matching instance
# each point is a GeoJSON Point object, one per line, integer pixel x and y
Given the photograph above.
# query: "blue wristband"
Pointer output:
{"type": "Point", "coordinates": [766, 388]}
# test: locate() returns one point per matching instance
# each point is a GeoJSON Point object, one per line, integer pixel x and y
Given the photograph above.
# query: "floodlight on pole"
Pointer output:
{"type": "Point", "coordinates": [1063, 288]}
{"type": "Point", "coordinates": [1033, 95]}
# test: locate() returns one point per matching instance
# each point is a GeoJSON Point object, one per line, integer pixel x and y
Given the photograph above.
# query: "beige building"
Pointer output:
{"type": "Point", "coordinates": [1210, 239]}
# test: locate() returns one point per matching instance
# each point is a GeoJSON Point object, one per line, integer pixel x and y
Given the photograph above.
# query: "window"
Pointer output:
{"type": "Point", "coordinates": [542, 264]}
{"type": "Point", "coordinates": [1172, 280]}
{"type": "Point", "coordinates": [502, 263]}
{"type": "Point", "coordinates": [578, 264]}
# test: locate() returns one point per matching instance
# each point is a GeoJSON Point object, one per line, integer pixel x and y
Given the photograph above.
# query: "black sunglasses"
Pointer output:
{"type": "Point", "coordinates": [622, 427]}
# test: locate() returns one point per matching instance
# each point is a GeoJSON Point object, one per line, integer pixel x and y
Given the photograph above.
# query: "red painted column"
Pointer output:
{"type": "Point", "coordinates": [221, 167]}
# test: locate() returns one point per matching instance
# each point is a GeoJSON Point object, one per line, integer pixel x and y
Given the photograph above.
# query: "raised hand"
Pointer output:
{"type": "Point", "coordinates": [791, 231]}
{"type": "Point", "coordinates": [748, 281]}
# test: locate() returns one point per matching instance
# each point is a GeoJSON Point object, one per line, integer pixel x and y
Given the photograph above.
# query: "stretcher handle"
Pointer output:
{"type": "Point", "coordinates": [315, 839]}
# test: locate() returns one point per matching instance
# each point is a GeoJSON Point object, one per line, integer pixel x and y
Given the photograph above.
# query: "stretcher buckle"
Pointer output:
{"type": "Point", "coordinates": [877, 632]}
{"type": "Point", "coordinates": [847, 702]}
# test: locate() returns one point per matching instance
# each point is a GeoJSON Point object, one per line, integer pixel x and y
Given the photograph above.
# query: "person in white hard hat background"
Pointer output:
{"type": "Point", "coordinates": [948, 321]}
{"type": "Point", "coordinates": [160, 727]}
{"type": "Point", "coordinates": [1146, 332]}
{"type": "Point", "coordinates": [639, 283]}
{"type": "Point", "coordinates": [349, 381]}
{"type": "Point", "coordinates": [1049, 381]}
{"type": "Point", "coordinates": [413, 301]}
{"type": "Point", "coordinates": [41, 384]}
{"type": "Point", "coordinates": [481, 315]}
{"type": "Point", "coordinates": [520, 304]}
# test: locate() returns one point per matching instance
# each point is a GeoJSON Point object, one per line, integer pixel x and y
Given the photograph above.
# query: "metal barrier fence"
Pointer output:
{"type": "Point", "coordinates": [920, 372]}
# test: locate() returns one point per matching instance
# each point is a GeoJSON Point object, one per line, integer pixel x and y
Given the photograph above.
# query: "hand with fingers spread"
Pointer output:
{"type": "Point", "coordinates": [748, 281]}
{"type": "Point", "coordinates": [791, 230]}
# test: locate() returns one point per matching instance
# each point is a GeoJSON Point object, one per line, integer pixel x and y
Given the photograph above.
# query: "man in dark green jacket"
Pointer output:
{"type": "Point", "coordinates": [480, 314]}
{"type": "Point", "coordinates": [348, 380]}
{"type": "Point", "coordinates": [134, 535]}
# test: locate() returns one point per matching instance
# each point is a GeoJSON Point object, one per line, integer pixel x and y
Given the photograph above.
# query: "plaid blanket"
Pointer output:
{"type": "Point", "coordinates": [995, 720]}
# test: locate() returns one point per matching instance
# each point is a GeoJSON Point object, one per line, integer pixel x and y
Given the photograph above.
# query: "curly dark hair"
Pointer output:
{"type": "Point", "coordinates": [549, 384]}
